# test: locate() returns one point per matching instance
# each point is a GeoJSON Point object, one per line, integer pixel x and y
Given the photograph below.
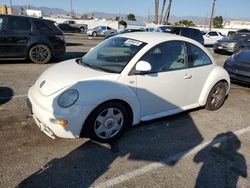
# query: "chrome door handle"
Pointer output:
{"type": "Point", "coordinates": [187, 76]}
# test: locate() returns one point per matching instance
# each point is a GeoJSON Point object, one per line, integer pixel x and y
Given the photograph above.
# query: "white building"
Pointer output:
{"type": "Point", "coordinates": [237, 24]}
{"type": "Point", "coordinates": [34, 13]}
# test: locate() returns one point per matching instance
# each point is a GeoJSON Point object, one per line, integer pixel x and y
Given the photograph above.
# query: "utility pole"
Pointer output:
{"type": "Point", "coordinates": [11, 8]}
{"type": "Point", "coordinates": [11, 4]}
{"type": "Point", "coordinates": [212, 16]}
{"type": "Point", "coordinates": [71, 8]}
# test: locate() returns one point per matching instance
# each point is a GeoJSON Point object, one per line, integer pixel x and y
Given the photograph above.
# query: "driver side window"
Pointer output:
{"type": "Point", "coordinates": [167, 56]}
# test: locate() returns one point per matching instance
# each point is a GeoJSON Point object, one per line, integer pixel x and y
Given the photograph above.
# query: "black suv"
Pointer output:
{"type": "Point", "coordinates": [24, 37]}
{"type": "Point", "coordinates": [188, 32]}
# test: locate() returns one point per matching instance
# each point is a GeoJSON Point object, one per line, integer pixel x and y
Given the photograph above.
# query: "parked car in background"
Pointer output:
{"type": "Point", "coordinates": [101, 31]}
{"type": "Point", "coordinates": [31, 38]}
{"type": "Point", "coordinates": [126, 79]}
{"type": "Point", "coordinates": [211, 37]}
{"type": "Point", "coordinates": [238, 66]}
{"type": "Point", "coordinates": [243, 44]}
{"type": "Point", "coordinates": [192, 33]}
{"type": "Point", "coordinates": [66, 28]}
{"type": "Point", "coordinates": [83, 27]}
{"type": "Point", "coordinates": [149, 29]}
{"type": "Point", "coordinates": [229, 44]}
{"type": "Point", "coordinates": [124, 31]}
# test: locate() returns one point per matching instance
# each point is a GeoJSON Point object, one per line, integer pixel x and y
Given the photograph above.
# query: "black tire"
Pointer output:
{"type": "Point", "coordinates": [94, 34]}
{"type": "Point", "coordinates": [92, 124]}
{"type": "Point", "coordinates": [82, 29]}
{"type": "Point", "coordinates": [40, 54]}
{"type": "Point", "coordinates": [217, 96]}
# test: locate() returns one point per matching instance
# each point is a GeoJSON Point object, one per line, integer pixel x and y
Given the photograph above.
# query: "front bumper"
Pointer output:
{"type": "Point", "coordinates": [239, 78]}
{"type": "Point", "coordinates": [223, 48]}
{"type": "Point", "coordinates": [236, 76]}
{"type": "Point", "coordinates": [46, 115]}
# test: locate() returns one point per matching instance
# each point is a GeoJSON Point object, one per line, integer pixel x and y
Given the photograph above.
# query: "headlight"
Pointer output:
{"type": "Point", "coordinates": [232, 44]}
{"type": "Point", "coordinates": [68, 98]}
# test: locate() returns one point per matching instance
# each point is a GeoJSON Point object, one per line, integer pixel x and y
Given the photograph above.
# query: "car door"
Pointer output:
{"type": "Point", "coordinates": [17, 36]}
{"type": "Point", "coordinates": [200, 66]}
{"type": "Point", "coordinates": [166, 87]}
{"type": "Point", "coordinates": [212, 37]}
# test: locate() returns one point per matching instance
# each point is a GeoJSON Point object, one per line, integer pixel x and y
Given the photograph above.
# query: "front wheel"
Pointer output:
{"type": "Point", "coordinates": [94, 34]}
{"type": "Point", "coordinates": [217, 96]}
{"type": "Point", "coordinates": [40, 54]}
{"type": "Point", "coordinates": [107, 122]}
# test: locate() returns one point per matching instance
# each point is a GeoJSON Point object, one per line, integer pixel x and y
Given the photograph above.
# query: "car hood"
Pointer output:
{"type": "Point", "coordinates": [243, 57]}
{"type": "Point", "coordinates": [225, 40]}
{"type": "Point", "coordinates": [66, 74]}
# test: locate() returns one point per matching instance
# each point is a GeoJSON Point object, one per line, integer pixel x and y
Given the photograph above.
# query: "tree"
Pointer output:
{"type": "Point", "coordinates": [117, 18]}
{"type": "Point", "coordinates": [167, 13]}
{"type": "Point", "coordinates": [131, 17]}
{"type": "Point", "coordinates": [156, 11]}
{"type": "Point", "coordinates": [218, 22]}
{"type": "Point", "coordinates": [162, 10]}
{"type": "Point", "coordinates": [187, 23]}
{"type": "Point", "coordinates": [85, 17]}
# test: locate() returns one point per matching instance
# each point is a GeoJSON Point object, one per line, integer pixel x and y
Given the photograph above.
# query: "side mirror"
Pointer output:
{"type": "Point", "coordinates": [208, 35]}
{"type": "Point", "coordinates": [143, 66]}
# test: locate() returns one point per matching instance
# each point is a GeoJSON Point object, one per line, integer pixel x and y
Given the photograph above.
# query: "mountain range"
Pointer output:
{"type": "Point", "coordinates": [56, 11]}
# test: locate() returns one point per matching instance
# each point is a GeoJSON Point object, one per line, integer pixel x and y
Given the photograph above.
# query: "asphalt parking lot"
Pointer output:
{"type": "Point", "coordinates": [198, 148]}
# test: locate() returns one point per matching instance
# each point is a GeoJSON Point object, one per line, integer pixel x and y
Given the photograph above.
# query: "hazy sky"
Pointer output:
{"type": "Point", "coordinates": [227, 8]}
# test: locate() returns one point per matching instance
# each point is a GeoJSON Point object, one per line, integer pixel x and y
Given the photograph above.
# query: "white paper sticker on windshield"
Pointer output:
{"type": "Point", "coordinates": [133, 42]}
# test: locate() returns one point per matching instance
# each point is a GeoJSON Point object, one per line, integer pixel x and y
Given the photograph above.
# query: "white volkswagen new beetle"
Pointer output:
{"type": "Point", "coordinates": [124, 80]}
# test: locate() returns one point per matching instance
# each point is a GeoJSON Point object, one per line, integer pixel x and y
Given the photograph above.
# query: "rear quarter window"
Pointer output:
{"type": "Point", "coordinates": [196, 56]}
{"type": "Point", "coordinates": [41, 26]}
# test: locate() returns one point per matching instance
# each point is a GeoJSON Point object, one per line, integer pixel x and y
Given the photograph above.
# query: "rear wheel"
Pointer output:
{"type": "Point", "coordinates": [94, 34]}
{"type": "Point", "coordinates": [40, 54]}
{"type": "Point", "coordinates": [107, 122]}
{"type": "Point", "coordinates": [217, 96]}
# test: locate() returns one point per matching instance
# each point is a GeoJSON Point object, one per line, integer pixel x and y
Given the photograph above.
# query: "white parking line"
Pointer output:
{"type": "Point", "coordinates": [153, 166]}
{"type": "Point", "coordinates": [13, 97]}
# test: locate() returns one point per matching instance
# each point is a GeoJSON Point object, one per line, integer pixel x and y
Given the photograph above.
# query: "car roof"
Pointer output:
{"type": "Point", "coordinates": [155, 37]}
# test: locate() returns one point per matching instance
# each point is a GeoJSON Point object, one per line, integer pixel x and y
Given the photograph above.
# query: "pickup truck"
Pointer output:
{"type": "Point", "coordinates": [82, 27]}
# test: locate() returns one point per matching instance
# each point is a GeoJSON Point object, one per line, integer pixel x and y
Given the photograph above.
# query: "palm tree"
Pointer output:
{"type": "Point", "coordinates": [167, 13]}
{"type": "Point", "coordinates": [156, 11]}
{"type": "Point", "coordinates": [162, 10]}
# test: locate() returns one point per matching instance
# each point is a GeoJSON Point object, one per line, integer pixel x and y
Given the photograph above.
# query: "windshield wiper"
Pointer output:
{"type": "Point", "coordinates": [91, 66]}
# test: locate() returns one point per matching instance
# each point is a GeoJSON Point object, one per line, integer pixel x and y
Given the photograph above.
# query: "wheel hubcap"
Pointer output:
{"type": "Point", "coordinates": [217, 96]}
{"type": "Point", "coordinates": [39, 54]}
{"type": "Point", "coordinates": [108, 123]}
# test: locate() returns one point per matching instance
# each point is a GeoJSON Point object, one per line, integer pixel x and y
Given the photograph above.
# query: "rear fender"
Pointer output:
{"type": "Point", "coordinates": [217, 74]}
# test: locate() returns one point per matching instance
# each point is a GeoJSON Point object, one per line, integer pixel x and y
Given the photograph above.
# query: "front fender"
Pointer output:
{"type": "Point", "coordinates": [216, 75]}
{"type": "Point", "coordinates": [96, 92]}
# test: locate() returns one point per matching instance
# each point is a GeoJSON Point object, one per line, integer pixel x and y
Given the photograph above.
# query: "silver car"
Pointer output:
{"type": "Point", "coordinates": [101, 31]}
{"type": "Point", "coordinates": [233, 43]}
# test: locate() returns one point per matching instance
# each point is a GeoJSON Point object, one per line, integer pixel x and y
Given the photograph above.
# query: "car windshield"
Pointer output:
{"type": "Point", "coordinates": [237, 36]}
{"type": "Point", "coordinates": [112, 55]}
